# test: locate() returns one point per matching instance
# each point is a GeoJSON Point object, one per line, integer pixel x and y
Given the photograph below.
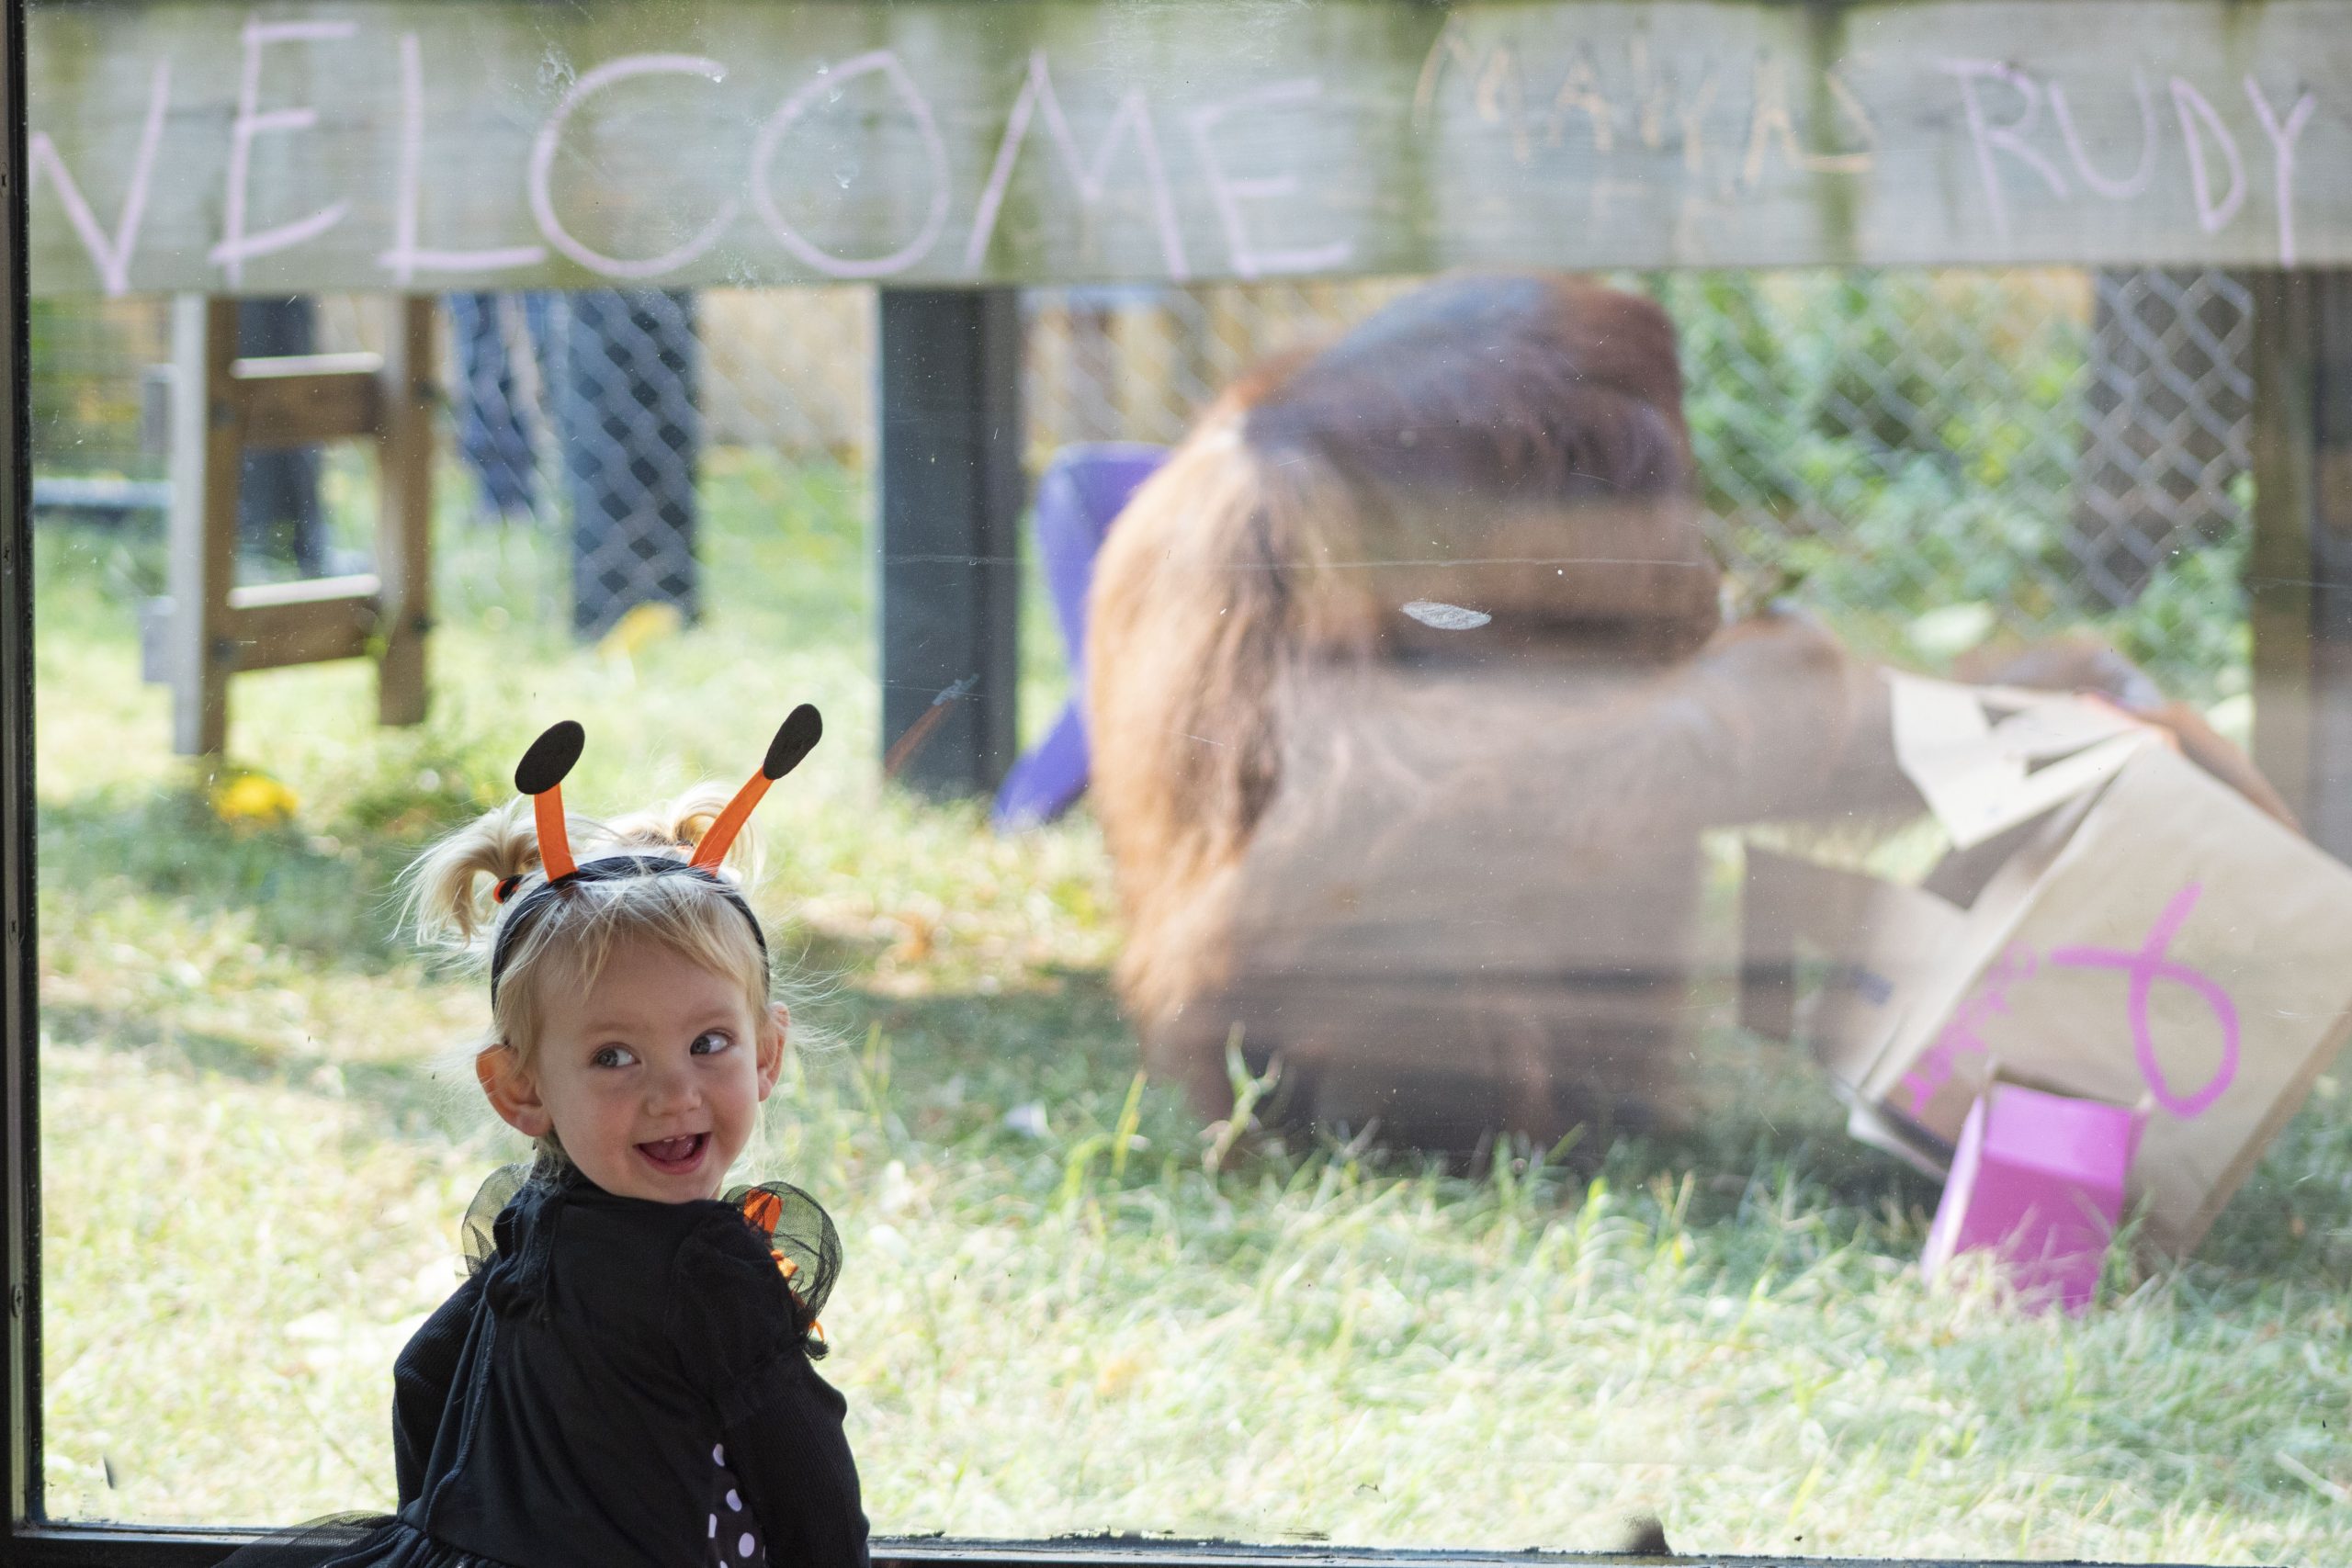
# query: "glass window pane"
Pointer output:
{"type": "Point", "coordinates": [1439, 907]}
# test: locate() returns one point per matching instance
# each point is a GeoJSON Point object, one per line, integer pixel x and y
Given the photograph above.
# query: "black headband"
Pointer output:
{"type": "Point", "coordinates": [609, 868]}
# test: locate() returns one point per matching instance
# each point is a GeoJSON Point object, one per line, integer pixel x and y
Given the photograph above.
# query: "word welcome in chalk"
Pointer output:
{"type": "Point", "coordinates": [1131, 129]}
{"type": "Point", "coordinates": [1571, 133]}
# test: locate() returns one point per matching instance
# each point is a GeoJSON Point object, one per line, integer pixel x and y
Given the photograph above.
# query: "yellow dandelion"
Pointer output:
{"type": "Point", "coordinates": [642, 626]}
{"type": "Point", "coordinates": [249, 799]}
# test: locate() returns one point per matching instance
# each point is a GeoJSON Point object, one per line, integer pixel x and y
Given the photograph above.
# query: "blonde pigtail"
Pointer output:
{"type": "Point", "coordinates": [448, 893]}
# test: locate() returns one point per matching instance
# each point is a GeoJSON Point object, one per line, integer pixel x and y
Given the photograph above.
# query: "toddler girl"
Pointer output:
{"type": "Point", "coordinates": [624, 1380]}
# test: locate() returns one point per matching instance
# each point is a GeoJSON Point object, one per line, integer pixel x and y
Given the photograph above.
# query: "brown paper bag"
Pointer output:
{"type": "Point", "coordinates": [1878, 944]}
{"type": "Point", "coordinates": [2157, 942]}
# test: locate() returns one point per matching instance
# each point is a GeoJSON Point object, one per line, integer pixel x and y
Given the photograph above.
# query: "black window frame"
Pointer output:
{"type": "Point", "coordinates": [27, 1537]}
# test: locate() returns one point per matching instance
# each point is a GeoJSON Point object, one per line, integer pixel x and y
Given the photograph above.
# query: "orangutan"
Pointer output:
{"type": "Point", "coordinates": [1409, 697]}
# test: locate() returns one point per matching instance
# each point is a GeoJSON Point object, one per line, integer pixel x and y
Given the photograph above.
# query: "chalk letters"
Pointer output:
{"type": "Point", "coordinates": [113, 260]}
{"type": "Point", "coordinates": [2282, 159]}
{"type": "Point", "coordinates": [2191, 107]}
{"type": "Point", "coordinates": [788, 114]}
{"type": "Point", "coordinates": [236, 246]}
{"type": "Point", "coordinates": [1549, 134]}
{"type": "Point", "coordinates": [404, 260]}
{"type": "Point", "coordinates": [1581, 89]}
{"type": "Point", "coordinates": [1770, 120]}
{"type": "Point", "coordinates": [543, 151]}
{"type": "Point", "coordinates": [1228, 193]}
{"type": "Point", "coordinates": [2131, 185]}
{"type": "Point", "coordinates": [1037, 92]}
{"type": "Point", "coordinates": [1987, 138]}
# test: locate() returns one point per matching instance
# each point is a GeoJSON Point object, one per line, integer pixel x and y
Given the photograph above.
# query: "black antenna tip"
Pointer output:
{"type": "Point", "coordinates": [795, 738]}
{"type": "Point", "coordinates": [550, 758]}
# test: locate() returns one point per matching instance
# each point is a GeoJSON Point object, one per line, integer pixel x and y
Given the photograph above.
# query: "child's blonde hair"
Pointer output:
{"type": "Point", "coordinates": [451, 902]}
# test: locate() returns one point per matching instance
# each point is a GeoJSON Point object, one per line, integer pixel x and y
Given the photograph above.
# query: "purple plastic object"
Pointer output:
{"type": "Point", "coordinates": [2037, 1179]}
{"type": "Point", "coordinates": [1083, 489]}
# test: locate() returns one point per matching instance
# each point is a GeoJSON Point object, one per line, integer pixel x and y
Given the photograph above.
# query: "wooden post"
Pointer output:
{"type": "Point", "coordinates": [2300, 574]}
{"type": "Point", "coordinates": [404, 526]}
{"type": "Point", "coordinates": [208, 455]}
{"type": "Point", "coordinates": [949, 405]}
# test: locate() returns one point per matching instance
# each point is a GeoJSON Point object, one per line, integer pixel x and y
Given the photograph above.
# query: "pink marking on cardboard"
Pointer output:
{"type": "Point", "coordinates": [1988, 995]}
{"type": "Point", "coordinates": [2147, 966]}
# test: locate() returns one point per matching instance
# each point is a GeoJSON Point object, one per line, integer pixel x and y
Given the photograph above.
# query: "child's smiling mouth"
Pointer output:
{"type": "Point", "coordinates": [676, 1156]}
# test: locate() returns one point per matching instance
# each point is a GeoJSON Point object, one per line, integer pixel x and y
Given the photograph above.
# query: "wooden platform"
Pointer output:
{"type": "Point", "coordinates": [400, 145]}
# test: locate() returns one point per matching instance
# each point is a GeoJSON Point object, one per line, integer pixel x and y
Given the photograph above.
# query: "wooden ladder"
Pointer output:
{"type": "Point", "coordinates": [222, 408]}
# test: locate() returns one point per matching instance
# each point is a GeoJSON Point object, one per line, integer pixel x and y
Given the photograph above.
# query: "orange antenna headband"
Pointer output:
{"type": "Point", "coordinates": [795, 738]}
{"type": "Point", "coordinates": [540, 775]}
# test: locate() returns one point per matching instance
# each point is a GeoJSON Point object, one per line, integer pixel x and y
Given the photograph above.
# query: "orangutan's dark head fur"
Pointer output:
{"type": "Point", "coordinates": [1518, 391]}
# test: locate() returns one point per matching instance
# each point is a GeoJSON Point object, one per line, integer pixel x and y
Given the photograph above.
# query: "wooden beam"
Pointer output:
{"type": "Point", "coordinates": [298, 402]}
{"type": "Point", "coordinates": [906, 143]}
{"type": "Point", "coordinates": [320, 618]}
{"type": "Point", "coordinates": [951, 492]}
{"type": "Point", "coordinates": [207, 452]}
{"type": "Point", "coordinates": [404, 527]}
{"type": "Point", "coordinates": [2298, 576]}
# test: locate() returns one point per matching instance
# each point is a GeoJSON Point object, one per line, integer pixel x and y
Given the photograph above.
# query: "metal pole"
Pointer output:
{"type": "Point", "coordinates": [951, 493]}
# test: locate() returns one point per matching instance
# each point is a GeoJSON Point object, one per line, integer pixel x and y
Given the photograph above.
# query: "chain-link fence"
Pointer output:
{"type": "Point", "coordinates": [1928, 458]}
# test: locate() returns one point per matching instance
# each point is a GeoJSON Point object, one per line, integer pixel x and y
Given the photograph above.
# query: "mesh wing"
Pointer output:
{"type": "Point", "coordinates": [801, 1235]}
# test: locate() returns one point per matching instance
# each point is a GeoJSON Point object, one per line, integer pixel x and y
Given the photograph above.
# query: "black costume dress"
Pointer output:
{"type": "Point", "coordinates": [620, 1382]}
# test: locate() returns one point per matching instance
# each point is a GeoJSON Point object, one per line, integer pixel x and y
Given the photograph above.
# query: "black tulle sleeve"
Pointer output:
{"type": "Point", "coordinates": [420, 1382]}
{"type": "Point", "coordinates": [743, 1338]}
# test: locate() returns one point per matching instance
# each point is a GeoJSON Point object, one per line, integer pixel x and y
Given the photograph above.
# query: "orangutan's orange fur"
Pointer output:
{"type": "Point", "coordinates": [1283, 761]}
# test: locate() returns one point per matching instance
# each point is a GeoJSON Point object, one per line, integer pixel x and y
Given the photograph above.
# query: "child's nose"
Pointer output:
{"type": "Point", "coordinates": [670, 1088]}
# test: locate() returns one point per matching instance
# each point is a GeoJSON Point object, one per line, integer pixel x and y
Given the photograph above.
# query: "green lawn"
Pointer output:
{"type": "Point", "coordinates": [258, 1134]}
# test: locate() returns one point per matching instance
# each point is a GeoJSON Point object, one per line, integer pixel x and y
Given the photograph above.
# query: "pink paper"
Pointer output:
{"type": "Point", "coordinates": [2038, 1179]}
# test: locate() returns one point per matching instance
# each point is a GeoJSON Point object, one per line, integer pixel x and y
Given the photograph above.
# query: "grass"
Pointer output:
{"type": "Point", "coordinates": [1054, 1317]}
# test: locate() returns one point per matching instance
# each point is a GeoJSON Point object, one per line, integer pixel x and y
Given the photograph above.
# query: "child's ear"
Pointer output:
{"type": "Point", "coordinates": [777, 1024]}
{"type": "Point", "coordinates": [512, 1091]}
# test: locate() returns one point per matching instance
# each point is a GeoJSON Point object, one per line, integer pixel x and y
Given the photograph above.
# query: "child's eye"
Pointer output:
{"type": "Point", "coordinates": [613, 1056]}
{"type": "Point", "coordinates": [711, 1042]}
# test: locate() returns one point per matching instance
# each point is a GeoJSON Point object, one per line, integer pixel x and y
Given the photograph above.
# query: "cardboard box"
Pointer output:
{"type": "Point", "coordinates": [2148, 939]}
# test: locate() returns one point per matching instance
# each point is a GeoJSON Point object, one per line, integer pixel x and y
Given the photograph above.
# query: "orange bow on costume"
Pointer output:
{"type": "Point", "coordinates": [763, 1209]}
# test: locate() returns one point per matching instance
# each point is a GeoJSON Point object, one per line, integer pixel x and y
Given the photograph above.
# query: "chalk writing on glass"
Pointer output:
{"type": "Point", "coordinates": [236, 246]}
{"type": "Point", "coordinates": [790, 113]}
{"type": "Point", "coordinates": [2007, 137]}
{"type": "Point", "coordinates": [2113, 190]}
{"type": "Point", "coordinates": [550, 136]}
{"type": "Point", "coordinates": [2282, 148]}
{"type": "Point", "coordinates": [404, 260]}
{"type": "Point", "coordinates": [2194, 107]}
{"type": "Point", "coordinates": [1133, 115]}
{"type": "Point", "coordinates": [1228, 191]}
{"type": "Point", "coordinates": [113, 260]}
